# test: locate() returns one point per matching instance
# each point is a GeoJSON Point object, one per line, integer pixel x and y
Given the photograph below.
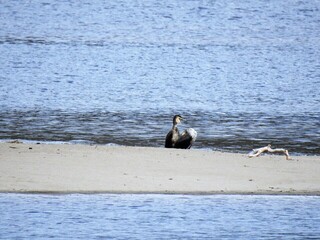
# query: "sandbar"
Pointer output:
{"type": "Point", "coordinates": [76, 168]}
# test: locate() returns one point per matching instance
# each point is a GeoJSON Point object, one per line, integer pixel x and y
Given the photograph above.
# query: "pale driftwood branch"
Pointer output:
{"type": "Point", "coordinates": [258, 151]}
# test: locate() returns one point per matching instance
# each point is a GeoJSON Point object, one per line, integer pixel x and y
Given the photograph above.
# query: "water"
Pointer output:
{"type": "Point", "coordinates": [243, 74]}
{"type": "Point", "coordinates": [158, 217]}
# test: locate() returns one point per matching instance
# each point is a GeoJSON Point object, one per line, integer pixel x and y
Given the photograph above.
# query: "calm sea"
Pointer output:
{"type": "Point", "coordinates": [243, 73]}
{"type": "Point", "coordinates": [159, 217]}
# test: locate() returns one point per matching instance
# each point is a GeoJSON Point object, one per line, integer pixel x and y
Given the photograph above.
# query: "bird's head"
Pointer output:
{"type": "Point", "coordinates": [177, 119]}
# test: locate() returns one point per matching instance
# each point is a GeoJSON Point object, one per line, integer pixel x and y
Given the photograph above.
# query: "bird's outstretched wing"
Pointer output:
{"type": "Point", "coordinates": [186, 139]}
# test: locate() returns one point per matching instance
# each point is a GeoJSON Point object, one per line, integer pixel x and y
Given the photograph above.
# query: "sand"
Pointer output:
{"type": "Point", "coordinates": [66, 168]}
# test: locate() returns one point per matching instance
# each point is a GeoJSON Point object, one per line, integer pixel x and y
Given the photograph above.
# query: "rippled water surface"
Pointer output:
{"type": "Point", "coordinates": [243, 74]}
{"type": "Point", "coordinates": [158, 217]}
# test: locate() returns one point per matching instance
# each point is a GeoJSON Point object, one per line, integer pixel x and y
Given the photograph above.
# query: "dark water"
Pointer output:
{"type": "Point", "coordinates": [243, 74]}
{"type": "Point", "coordinates": [158, 217]}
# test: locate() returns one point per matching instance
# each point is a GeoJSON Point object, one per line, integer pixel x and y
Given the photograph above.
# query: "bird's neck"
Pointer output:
{"type": "Point", "coordinates": [175, 133]}
{"type": "Point", "coordinates": [175, 128]}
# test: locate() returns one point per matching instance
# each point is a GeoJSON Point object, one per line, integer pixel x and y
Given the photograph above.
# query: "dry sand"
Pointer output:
{"type": "Point", "coordinates": [64, 168]}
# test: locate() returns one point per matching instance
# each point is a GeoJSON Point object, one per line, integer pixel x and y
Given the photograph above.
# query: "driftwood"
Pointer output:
{"type": "Point", "coordinates": [258, 151]}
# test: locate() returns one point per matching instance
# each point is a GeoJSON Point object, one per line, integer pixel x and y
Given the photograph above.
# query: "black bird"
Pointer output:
{"type": "Point", "coordinates": [176, 140]}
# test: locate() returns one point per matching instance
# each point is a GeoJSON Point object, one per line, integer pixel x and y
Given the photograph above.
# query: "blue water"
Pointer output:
{"type": "Point", "coordinates": [158, 217]}
{"type": "Point", "coordinates": [243, 73]}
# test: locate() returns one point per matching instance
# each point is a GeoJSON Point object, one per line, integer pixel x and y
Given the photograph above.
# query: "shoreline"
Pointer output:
{"type": "Point", "coordinates": [312, 194]}
{"type": "Point", "coordinates": [90, 143]}
{"type": "Point", "coordinates": [98, 169]}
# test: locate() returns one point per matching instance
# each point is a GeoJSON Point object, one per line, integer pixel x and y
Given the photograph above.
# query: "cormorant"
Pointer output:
{"type": "Point", "coordinates": [176, 140]}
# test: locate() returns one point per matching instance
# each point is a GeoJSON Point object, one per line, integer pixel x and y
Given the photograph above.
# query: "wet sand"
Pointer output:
{"type": "Point", "coordinates": [65, 168]}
